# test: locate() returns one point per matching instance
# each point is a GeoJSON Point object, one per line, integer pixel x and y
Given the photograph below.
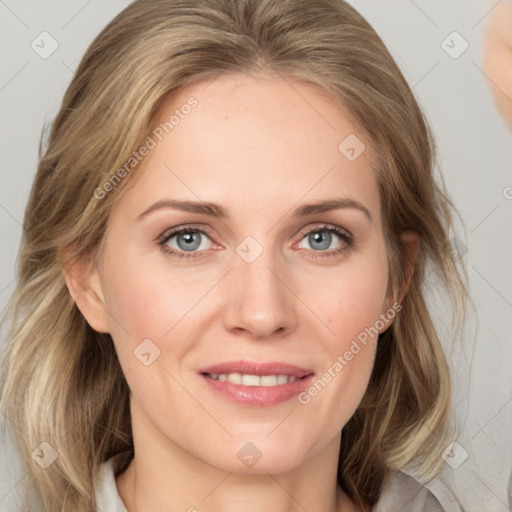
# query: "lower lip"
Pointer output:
{"type": "Point", "coordinates": [258, 396]}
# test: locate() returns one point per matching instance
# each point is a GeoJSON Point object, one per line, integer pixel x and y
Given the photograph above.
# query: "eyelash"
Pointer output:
{"type": "Point", "coordinates": [345, 236]}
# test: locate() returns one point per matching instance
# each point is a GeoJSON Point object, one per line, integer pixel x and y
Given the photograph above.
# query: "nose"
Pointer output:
{"type": "Point", "coordinates": [260, 302]}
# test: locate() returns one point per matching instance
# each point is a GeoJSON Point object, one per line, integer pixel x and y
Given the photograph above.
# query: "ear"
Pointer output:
{"type": "Point", "coordinates": [84, 285]}
{"type": "Point", "coordinates": [411, 241]}
{"type": "Point", "coordinates": [410, 244]}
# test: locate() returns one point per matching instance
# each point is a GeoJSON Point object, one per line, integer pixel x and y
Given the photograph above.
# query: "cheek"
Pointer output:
{"type": "Point", "coordinates": [350, 298]}
{"type": "Point", "coordinates": [349, 304]}
{"type": "Point", "coordinates": [148, 297]}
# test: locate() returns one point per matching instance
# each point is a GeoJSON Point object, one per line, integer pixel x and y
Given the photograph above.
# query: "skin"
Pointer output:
{"type": "Point", "coordinates": [259, 147]}
{"type": "Point", "coordinates": [497, 58]}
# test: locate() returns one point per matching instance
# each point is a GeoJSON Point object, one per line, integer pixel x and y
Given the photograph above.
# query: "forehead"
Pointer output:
{"type": "Point", "coordinates": [264, 141]}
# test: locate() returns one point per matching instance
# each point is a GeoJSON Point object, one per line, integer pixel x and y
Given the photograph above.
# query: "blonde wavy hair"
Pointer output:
{"type": "Point", "coordinates": [61, 380]}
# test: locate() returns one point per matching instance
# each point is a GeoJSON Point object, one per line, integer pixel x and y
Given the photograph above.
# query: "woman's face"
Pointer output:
{"type": "Point", "coordinates": [260, 279]}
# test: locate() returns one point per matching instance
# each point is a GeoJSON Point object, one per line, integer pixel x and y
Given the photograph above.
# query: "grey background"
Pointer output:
{"type": "Point", "coordinates": [475, 156]}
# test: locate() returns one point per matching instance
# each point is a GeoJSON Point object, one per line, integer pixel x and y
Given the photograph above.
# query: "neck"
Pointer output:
{"type": "Point", "coordinates": [164, 477]}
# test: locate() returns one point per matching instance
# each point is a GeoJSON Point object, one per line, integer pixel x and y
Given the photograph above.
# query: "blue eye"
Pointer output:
{"type": "Point", "coordinates": [187, 240]}
{"type": "Point", "coordinates": [320, 238]}
{"type": "Point", "coordinates": [190, 241]}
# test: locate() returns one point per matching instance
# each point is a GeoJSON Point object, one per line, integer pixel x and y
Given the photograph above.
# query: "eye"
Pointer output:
{"type": "Point", "coordinates": [185, 242]}
{"type": "Point", "coordinates": [321, 238]}
{"type": "Point", "coordinates": [190, 241]}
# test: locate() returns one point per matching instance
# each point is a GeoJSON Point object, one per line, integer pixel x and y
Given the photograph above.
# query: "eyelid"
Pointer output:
{"type": "Point", "coordinates": [347, 240]}
{"type": "Point", "coordinates": [346, 237]}
{"type": "Point", "coordinates": [322, 226]}
{"type": "Point", "coordinates": [168, 233]}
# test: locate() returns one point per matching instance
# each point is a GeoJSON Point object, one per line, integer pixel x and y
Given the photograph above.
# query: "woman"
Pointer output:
{"type": "Point", "coordinates": [221, 294]}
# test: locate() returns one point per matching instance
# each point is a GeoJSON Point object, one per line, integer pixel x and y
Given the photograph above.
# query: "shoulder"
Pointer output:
{"type": "Point", "coordinates": [107, 497]}
{"type": "Point", "coordinates": [403, 492]}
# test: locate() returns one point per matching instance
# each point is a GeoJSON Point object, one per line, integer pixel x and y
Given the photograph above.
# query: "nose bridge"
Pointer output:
{"type": "Point", "coordinates": [259, 302]}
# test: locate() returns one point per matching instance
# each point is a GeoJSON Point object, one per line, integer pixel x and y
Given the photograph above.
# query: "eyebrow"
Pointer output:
{"type": "Point", "coordinates": [218, 211]}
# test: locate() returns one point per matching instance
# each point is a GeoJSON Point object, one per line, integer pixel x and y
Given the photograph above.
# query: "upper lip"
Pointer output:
{"type": "Point", "coordinates": [255, 368]}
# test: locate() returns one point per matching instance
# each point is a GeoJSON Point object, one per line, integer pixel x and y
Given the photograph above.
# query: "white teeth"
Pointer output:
{"type": "Point", "coordinates": [268, 380]}
{"type": "Point", "coordinates": [282, 379]}
{"type": "Point", "coordinates": [235, 378]}
{"type": "Point", "coordinates": [253, 380]}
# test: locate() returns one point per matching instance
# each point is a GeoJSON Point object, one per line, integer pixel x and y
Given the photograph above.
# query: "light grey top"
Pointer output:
{"type": "Point", "coordinates": [402, 493]}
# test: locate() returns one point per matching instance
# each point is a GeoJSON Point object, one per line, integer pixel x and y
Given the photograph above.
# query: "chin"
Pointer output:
{"type": "Point", "coordinates": [259, 456]}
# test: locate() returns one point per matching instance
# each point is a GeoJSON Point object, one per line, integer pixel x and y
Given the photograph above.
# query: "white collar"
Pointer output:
{"type": "Point", "coordinates": [107, 496]}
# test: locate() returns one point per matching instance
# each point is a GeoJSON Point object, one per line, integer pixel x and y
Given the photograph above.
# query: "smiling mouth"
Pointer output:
{"type": "Point", "coordinates": [256, 384]}
{"type": "Point", "coordinates": [249, 380]}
